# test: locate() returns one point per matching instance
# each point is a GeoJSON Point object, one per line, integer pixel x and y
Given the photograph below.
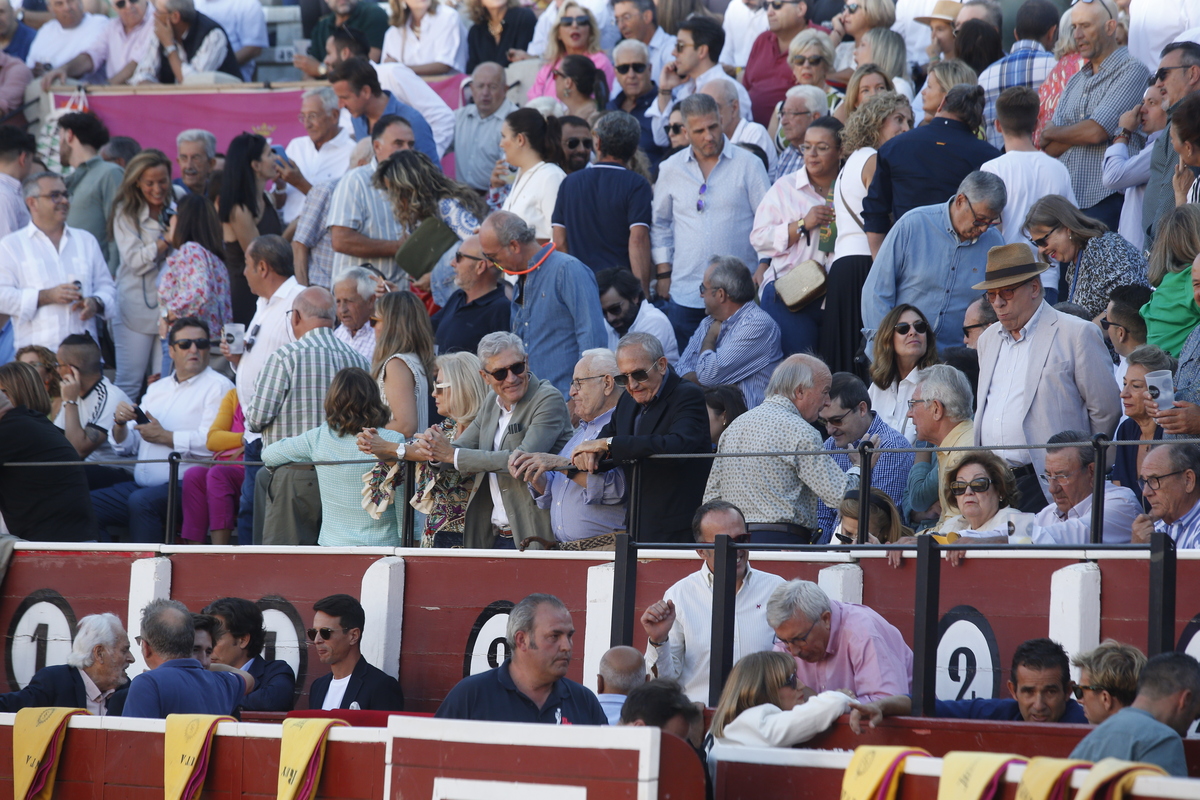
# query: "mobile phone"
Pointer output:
{"type": "Point", "coordinates": [140, 416]}
{"type": "Point", "coordinates": [278, 150]}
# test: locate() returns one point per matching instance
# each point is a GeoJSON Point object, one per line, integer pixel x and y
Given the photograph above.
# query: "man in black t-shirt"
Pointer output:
{"type": "Point", "coordinates": [478, 307]}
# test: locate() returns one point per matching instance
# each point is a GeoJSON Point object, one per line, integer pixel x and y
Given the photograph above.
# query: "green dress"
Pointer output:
{"type": "Point", "coordinates": [1171, 313]}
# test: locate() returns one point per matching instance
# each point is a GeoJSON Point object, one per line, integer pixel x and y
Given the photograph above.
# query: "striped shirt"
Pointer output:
{"type": "Point", "coordinates": [1185, 530]}
{"type": "Point", "coordinates": [1027, 64]}
{"type": "Point", "coordinates": [359, 206]}
{"type": "Point", "coordinates": [746, 353]}
{"type": "Point", "coordinates": [313, 232]}
{"type": "Point", "coordinates": [890, 473]}
{"type": "Point", "coordinates": [788, 162]}
{"type": "Point", "coordinates": [289, 396]}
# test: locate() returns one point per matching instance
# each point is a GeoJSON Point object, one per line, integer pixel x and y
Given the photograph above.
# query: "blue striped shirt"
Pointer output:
{"type": "Point", "coordinates": [1027, 64]}
{"type": "Point", "coordinates": [746, 353]}
{"type": "Point", "coordinates": [890, 473]}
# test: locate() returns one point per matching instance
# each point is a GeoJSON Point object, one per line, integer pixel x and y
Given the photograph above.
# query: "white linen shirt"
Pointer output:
{"type": "Point", "coordinates": [441, 41]}
{"type": "Point", "coordinates": [534, 194]}
{"type": "Point", "coordinates": [891, 404]}
{"type": "Point", "coordinates": [409, 87]}
{"type": "Point", "coordinates": [499, 512]}
{"type": "Point", "coordinates": [329, 163]}
{"type": "Point", "coordinates": [689, 88]}
{"type": "Point", "coordinates": [753, 133]}
{"type": "Point", "coordinates": [114, 48]}
{"type": "Point", "coordinates": [685, 656]}
{"type": "Point", "coordinates": [1121, 508]}
{"type": "Point", "coordinates": [654, 322]}
{"type": "Point", "coordinates": [187, 409]}
{"type": "Point", "coordinates": [1004, 422]}
{"type": "Point", "coordinates": [1028, 177]}
{"type": "Point", "coordinates": [271, 329]}
{"type": "Point", "coordinates": [742, 26]}
{"type": "Point", "coordinates": [1153, 25]}
{"type": "Point", "coordinates": [55, 45]}
{"type": "Point", "coordinates": [245, 24]}
{"type": "Point", "coordinates": [29, 262]}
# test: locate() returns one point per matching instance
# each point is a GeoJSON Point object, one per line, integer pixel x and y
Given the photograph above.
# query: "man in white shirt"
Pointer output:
{"type": "Point", "coordinates": [744, 21]}
{"type": "Point", "coordinates": [734, 125]}
{"type": "Point", "coordinates": [90, 401]}
{"type": "Point", "coordinates": [245, 24]}
{"type": "Point", "coordinates": [17, 149]}
{"type": "Point", "coordinates": [638, 19]}
{"type": "Point", "coordinates": [697, 47]}
{"type": "Point", "coordinates": [321, 155]}
{"type": "Point", "coordinates": [354, 292]}
{"type": "Point", "coordinates": [178, 410]}
{"type": "Point", "coordinates": [477, 127]}
{"type": "Point", "coordinates": [626, 311]}
{"type": "Point", "coordinates": [1154, 25]}
{"type": "Point", "coordinates": [123, 41]}
{"type": "Point", "coordinates": [67, 35]}
{"type": "Point", "coordinates": [679, 627]}
{"type": "Point", "coordinates": [53, 279]}
{"type": "Point", "coordinates": [269, 272]}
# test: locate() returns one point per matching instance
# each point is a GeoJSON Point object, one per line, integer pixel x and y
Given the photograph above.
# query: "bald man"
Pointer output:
{"type": "Point", "coordinates": [622, 669]}
{"type": "Point", "coordinates": [739, 129]}
{"type": "Point", "coordinates": [477, 126]}
{"type": "Point", "coordinates": [289, 399]}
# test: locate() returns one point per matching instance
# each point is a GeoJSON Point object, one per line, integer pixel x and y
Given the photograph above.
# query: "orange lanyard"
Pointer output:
{"type": "Point", "coordinates": [549, 249]}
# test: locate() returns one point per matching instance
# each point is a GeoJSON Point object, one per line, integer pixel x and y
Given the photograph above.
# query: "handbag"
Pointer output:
{"type": "Point", "coordinates": [422, 250]}
{"type": "Point", "coordinates": [803, 284]}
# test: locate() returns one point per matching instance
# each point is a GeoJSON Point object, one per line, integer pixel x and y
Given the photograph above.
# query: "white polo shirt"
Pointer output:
{"type": "Point", "coordinates": [329, 163]}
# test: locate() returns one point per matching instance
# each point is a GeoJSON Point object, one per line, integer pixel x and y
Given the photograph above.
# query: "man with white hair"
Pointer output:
{"type": "Point", "coordinates": [801, 106]}
{"type": "Point", "coordinates": [94, 671]}
{"type": "Point", "coordinates": [189, 43]}
{"type": "Point", "coordinates": [738, 129]}
{"type": "Point", "coordinates": [477, 127]}
{"type": "Point", "coordinates": [635, 78]}
{"type": "Point", "coordinates": [197, 158]}
{"type": "Point", "coordinates": [582, 505]}
{"type": "Point", "coordinates": [839, 646]}
{"type": "Point", "coordinates": [322, 155]}
{"type": "Point", "coordinates": [942, 411]}
{"type": "Point", "coordinates": [354, 293]}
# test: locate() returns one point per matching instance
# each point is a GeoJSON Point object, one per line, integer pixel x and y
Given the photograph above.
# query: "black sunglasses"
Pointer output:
{"type": "Point", "coordinates": [325, 633]}
{"type": "Point", "coordinates": [675, 128]}
{"type": "Point", "coordinates": [1161, 75]}
{"type": "Point", "coordinates": [1041, 241]}
{"type": "Point", "coordinates": [121, 3]}
{"type": "Point", "coordinates": [968, 328]}
{"type": "Point", "coordinates": [575, 141]}
{"type": "Point", "coordinates": [919, 326]}
{"type": "Point", "coordinates": [459, 255]}
{"type": "Point", "coordinates": [186, 344]}
{"type": "Point", "coordinates": [1078, 690]}
{"type": "Point", "coordinates": [581, 21]}
{"type": "Point", "coordinates": [639, 375]}
{"type": "Point", "coordinates": [1106, 323]}
{"type": "Point", "coordinates": [623, 69]}
{"type": "Point", "coordinates": [502, 373]}
{"type": "Point", "coordinates": [978, 486]}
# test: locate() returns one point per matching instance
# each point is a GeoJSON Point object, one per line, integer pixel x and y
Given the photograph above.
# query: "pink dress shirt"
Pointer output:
{"type": "Point", "coordinates": [865, 654]}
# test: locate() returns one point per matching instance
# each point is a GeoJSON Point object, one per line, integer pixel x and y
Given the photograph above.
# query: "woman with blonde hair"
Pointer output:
{"type": "Point", "coordinates": [142, 226]}
{"type": "Point", "coordinates": [884, 48]}
{"type": "Point", "coordinates": [574, 33]}
{"type": "Point", "coordinates": [1172, 312]}
{"type": "Point", "coordinates": [943, 76]}
{"type": "Point", "coordinates": [867, 81]}
{"type": "Point", "coordinates": [403, 360]}
{"type": "Point", "coordinates": [763, 705]}
{"type": "Point", "coordinates": [23, 386]}
{"type": "Point", "coordinates": [851, 25]}
{"type": "Point", "coordinates": [811, 57]}
{"type": "Point", "coordinates": [46, 364]}
{"type": "Point", "coordinates": [426, 36]}
{"type": "Point", "coordinates": [887, 525]}
{"type": "Point", "coordinates": [904, 345]}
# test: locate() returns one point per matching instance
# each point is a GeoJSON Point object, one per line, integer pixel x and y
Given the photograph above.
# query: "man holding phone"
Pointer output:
{"type": "Point", "coordinates": [89, 405]}
{"type": "Point", "coordinates": [174, 416]}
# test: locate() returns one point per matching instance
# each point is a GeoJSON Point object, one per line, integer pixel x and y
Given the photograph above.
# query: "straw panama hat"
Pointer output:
{"type": "Point", "coordinates": [1008, 265]}
{"type": "Point", "coordinates": [945, 10]}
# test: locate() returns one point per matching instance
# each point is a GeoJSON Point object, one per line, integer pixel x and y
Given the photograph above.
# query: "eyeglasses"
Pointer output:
{"type": "Point", "coordinates": [623, 69]}
{"type": "Point", "coordinates": [312, 116]}
{"type": "Point", "coordinates": [981, 222]}
{"type": "Point", "coordinates": [121, 3]}
{"type": "Point", "coordinates": [919, 326]}
{"type": "Point", "coordinates": [582, 21]}
{"type": "Point", "coordinates": [502, 373]}
{"type": "Point", "coordinates": [681, 46]}
{"type": "Point", "coordinates": [852, 8]}
{"type": "Point", "coordinates": [700, 199]}
{"type": "Point", "coordinates": [1155, 481]}
{"type": "Point", "coordinates": [675, 128]}
{"type": "Point", "coordinates": [968, 328]}
{"type": "Point", "coordinates": [57, 197]}
{"type": "Point", "coordinates": [325, 633]}
{"type": "Point", "coordinates": [1004, 294]}
{"type": "Point", "coordinates": [1060, 478]}
{"type": "Point", "coordinates": [639, 375]}
{"type": "Point", "coordinates": [978, 486]}
{"type": "Point", "coordinates": [1079, 690]}
{"type": "Point", "coordinates": [836, 420]}
{"type": "Point", "coordinates": [186, 344]}
{"type": "Point", "coordinates": [798, 640]}
{"type": "Point", "coordinates": [913, 403]}
{"type": "Point", "coordinates": [577, 383]}
{"type": "Point", "coordinates": [794, 113]}
{"type": "Point", "coordinates": [1089, 2]}
{"type": "Point", "coordinates": [576, 141]}
{"type": "Point", "coordinates": [1106, 324]}
{"type": "Point", "coordinates": [1161, 75]}
{"type": "Point", "coordinates": [779, 4]}
{"type": "Point", "coordinates": [706, 289]}
{"type": "Point", "coordinates": [459, 255]}
{"type": "Point", "coordinates": [440, 388]}
{"type": "Point", "coordinates": [812, 61]}
{"type": "Point", "coordinates": [820, 148]}
{"type": "Point", "coordinates": [1039, 243]}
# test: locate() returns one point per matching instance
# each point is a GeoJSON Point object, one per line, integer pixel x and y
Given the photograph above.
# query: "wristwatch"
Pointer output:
{"type": "Point", "coordinates": [174, 48]}
{"type": "Point", "coordinates": [608, 443]}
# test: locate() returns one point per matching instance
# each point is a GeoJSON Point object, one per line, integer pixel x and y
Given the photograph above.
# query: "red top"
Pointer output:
{"type": "Point", "coordinates": [768, 76]}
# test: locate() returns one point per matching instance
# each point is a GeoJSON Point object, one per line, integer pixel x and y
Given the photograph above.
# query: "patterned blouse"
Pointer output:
{"type": "Point", "coordinates": [450, 491]}
{"type": "Point", "coordinates": [1052, 88]}
{"type": "Point", "coordinates": [195, 283]}
{"type": "Point", "coordinates": [1104, 263]}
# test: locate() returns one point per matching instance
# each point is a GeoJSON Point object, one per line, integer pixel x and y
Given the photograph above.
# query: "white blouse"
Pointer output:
{"type": "Point", "coordinates": [441, 41]}
{"type": "Point", "coordinates": [534, 194]}
{"type": "Point", "coordinates": [848, 195]}
{"type": "Point", "coordinates": [891, 404]}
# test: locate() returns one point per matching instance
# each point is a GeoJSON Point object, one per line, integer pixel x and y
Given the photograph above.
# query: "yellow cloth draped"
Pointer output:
{"type": "Point", "coordinates": [872, 772]}
{"type": "Point", "coordinates": [969, 775]}
{"type": "Point", "coordinates": [186, 748]}
{"type": "Point", "coordinates": [37, 746]}
{"type": "Point", "coordinates": [301, 755]}
{"type": "Point", "coordinates": [1048, 778]}
{"type": "Point", "coordinates": [1112, 779]}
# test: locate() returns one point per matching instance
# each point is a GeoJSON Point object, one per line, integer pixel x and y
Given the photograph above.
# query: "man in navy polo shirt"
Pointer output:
{"type": "Point", "coordinates": [531, 685]}
{"type": "Point", "coordinates": [176, 682]}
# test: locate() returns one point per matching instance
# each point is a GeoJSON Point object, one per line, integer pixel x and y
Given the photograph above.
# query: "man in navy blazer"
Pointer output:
{"type": "Point", "coordinates": [94, 671]}
{"type": "Point", "coordinates": [239, 643]}
{"type": "Point", "coordinates": [352, 682]}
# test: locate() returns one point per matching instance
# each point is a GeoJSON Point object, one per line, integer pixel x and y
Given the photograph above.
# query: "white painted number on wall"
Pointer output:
{"type": "Point", "coordinates": [42, 636]}
{"type": "Point", "coordinates": [967, 663]}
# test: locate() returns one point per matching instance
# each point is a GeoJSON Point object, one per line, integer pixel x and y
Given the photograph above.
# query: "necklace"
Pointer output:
{"type": "Point", "coordinates": [549, 248]}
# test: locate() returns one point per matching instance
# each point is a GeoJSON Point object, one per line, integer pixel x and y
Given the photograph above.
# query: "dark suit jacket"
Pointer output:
{"type": "Point", "coordinates": [274, 686]}
{"type": "Point", "coordinates": [60, 686]}
{"type": "Point", "coordinates": [675, 422]}
{"type": "Point", "coordinates": [372, 688]}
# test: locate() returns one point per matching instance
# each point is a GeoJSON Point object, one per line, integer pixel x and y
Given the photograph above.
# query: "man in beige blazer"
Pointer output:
{"type": "Point", "coordinates": [1040, 372]}
{"type": "Point", "coordinates": [521, 413]}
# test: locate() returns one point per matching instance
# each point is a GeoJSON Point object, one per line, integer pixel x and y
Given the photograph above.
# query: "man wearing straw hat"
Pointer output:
{"type": "Point", "coordinates": [941, 24]}
{"type": "Point", "coordinates": [1051, 371]}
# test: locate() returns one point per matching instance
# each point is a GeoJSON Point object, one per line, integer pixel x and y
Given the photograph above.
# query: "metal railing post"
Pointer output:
{"type": "Point", "coordinates": [925, 627]}
{"type": "Point", "coordinates": [172, 497]}
{"type": "Point", "coordinates": [408, 523]}
{"type": "Point", "coordinates": [1099, 445]}
{"type": "Point", "coordinates": [1161, 616]}
{"type": "Point", "coordinates": [864, 492]}
{"type": "Point", "coordinates": [634, 476]}
{"type": "Point", "coordinates": [624, 591]}
{"type": "Point", "coordinates": [724, 609]}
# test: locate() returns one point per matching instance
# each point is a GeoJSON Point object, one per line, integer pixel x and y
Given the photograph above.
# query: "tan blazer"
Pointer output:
{"type": "Point", "coordinates": [540, 424]}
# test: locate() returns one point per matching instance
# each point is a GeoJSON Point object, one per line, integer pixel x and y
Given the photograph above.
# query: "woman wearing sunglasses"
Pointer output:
{"type": "Point", "coordinates": [1095, 259]}
{"type": "Point", "coordinates": [886, 526]}
{"type": "Point", "coordinates": [763, 705]}
{"type": "Point", "coordinates": [574, 33]}
{"type": "Point", "coordinates": [851, 25]}
{"type": "Point", "coordinates": [983, 492]}
{"type": "Point", "coordinates": [898, 358]}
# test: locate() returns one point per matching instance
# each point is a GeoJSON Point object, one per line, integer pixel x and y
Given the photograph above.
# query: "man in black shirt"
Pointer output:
{"type": "Point", "coordinates": [41, 504]}
{"type": "Point", "coordinates": [477, 308]}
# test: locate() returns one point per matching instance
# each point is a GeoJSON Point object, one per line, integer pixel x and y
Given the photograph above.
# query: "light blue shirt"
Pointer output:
{"type": "Point", "coordinates": [422, 133]}
{"type": "Point", "coordinates": [687, 237]}
{"type": "Point", "coordinates": [1135, 735]}
{"type": "Point", "coordinates": [1185, 530]}
{"type": "Point", "coordinates": [922, 262]}
{"type": "Point", "coordinates": [746, 353]}
{"type": "Point", "coordinates": [579, 513]}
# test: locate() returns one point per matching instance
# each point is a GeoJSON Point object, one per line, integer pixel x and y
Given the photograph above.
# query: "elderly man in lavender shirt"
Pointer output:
{"type": "Point", "coordinates": [584, 504]}
{"type": "Point", "coordinates": [839, 645]}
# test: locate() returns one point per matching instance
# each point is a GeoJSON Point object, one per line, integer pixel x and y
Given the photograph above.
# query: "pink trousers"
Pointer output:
{"type": "Point", "coordinates": [210, 499]}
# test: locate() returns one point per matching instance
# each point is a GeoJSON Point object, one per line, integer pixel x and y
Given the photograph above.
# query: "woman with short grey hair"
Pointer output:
{"type": "Point", "coordinates": [1138, 426]}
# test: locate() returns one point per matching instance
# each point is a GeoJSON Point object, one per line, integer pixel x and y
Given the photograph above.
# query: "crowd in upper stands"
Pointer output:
{"type": "Point", "coordinates": [645, 230]}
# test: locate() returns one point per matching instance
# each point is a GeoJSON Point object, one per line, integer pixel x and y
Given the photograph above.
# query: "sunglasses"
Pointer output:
{"type": "Point", "coordinates": [575, 142]}
{"type": "Point", "coordinates": [581, 21]}
{"type": "Point", "coordinates": [121, 3]}
{"type": "Point", "coordinates": [779, 4]}
{"type": "Point", "coordinates": [968, 328]}
{"type": "Point", "coordinates": [852, 8]}
{"type": "Point", "coordinates": [812, 61]}
{"type": "Point", "coordinates": [1089, 2]}
{"type": "Point", "coordinates": [978, 486]}
{"type": "Point", "coordinates": [186, 344]}
{"type": "Point", "coordinates": [325, 633]}
{"type": "Point", "coordinates": [623, 69]}
{"type": "Point", "coordinates": [791, 681]}
{"type": "Point", "coordinates": [1106, 324]}
{"type": "Point", "coordinates": [700, 199]}
{"type": "Point", "coordinates": [919, 326]}
{"type": "Point", "coordinates": [502, 373]}
{"type": "Point", "coordinates": [440, 388]}
{"type": "Point", "coordinates": [1079, 690]}
{"type": "Point", "coordinates": [1161, 75]}
{"type": "Point", "coordinates": [639, 375]}
{"type": "Point", "coordinates": [675, 128]}
{"type": "Point", "coordinates": [459, 255]}
{"type": "Point", "coordinates": [1041, 241]}
{"type": "Point", "coordinates": [1005, 294]}
{"type": "Point", "coordinates": [836, 420]}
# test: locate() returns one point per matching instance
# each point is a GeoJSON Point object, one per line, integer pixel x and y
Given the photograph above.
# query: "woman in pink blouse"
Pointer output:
{"type": "Point", "coordinates": [1069, 62]}
{"type": "Point", "coordinates": [575, 32]}
{"type": "Point", "coordinates": [195, 282]}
